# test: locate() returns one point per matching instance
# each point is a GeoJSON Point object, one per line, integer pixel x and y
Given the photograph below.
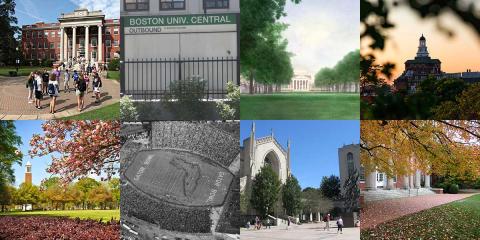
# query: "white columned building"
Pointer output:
{"type": "Point", "coordinates": [78, 34]}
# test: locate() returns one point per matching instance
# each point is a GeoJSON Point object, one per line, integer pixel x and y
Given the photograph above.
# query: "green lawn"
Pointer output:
{"type": "Point", "coordinates": [300, 106]}
{"type": "Point", "coordinates": [456, 220]}
{"type": "Point", "coordinates": [115, 75]}
{"type": "Point", "coordinates": [110, 112]}
{"type": "Point", "coordinates": [22, 71]}
{"type": "Point", "coordinates": [105, 215]}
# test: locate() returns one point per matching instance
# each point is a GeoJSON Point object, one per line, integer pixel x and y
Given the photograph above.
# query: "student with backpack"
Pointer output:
{"type": "Point", "coordinates": [81, 87]}
{"type": "Point", "coordinates": [75, 76]}
{"type": "Point", "coordinates": [30, 87]}
{"type": "Point", "coordinates": [53, 90]}
{"type": "Point", "coordinates": [97, 84]}
{"type": "Point", "coordinates": [45, 78]}
{"type": "Point", "coordinates": [66, 81]}
{"type": "Point", "coordinates": [38, 90]}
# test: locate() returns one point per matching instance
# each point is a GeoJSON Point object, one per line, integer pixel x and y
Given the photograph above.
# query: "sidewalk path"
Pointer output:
{"type": "Point", "coordinates": [312, 231]}
{"type": "Point", "coordinates": [376, 212]}
{"type": "Point", "coordinates": [14, 103]}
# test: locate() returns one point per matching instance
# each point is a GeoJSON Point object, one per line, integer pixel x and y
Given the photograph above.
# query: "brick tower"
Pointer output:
{"type": "Point", "coordinates": [28, 173]}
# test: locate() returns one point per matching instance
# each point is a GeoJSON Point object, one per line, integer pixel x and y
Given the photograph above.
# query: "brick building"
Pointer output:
{"type": "Point", "coordinates": [65, 40]}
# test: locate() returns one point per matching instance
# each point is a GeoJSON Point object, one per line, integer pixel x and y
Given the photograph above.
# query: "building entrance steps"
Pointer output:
{"type": "Point", "coordinates": [381, 194]}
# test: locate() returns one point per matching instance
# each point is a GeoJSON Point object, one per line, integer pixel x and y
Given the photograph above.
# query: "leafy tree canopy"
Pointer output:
{"type": "Point", "coordinates": [265, 190]}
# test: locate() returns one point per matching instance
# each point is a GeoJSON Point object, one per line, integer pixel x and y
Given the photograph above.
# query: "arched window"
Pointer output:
{"type": "Point", "coordinates": [350, 164]}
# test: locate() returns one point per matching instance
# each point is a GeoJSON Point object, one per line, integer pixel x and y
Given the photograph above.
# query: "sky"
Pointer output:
{"type": "Point", "coordinates": [32, 11]}
{"type": "Point", "coordinates": [314, 144]}
{"type": "Point", "coordinates": [457, 54]}
{"type": "Point", "coordinates": [322, 32]}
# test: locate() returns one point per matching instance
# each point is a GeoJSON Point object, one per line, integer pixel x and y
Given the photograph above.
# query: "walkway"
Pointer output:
{"type": "Point", "coordinates": [374, 213]}
{"type": "Point", "coordinates": [14, 104]}
{"type": "Point", "coordinates": [312, 231]}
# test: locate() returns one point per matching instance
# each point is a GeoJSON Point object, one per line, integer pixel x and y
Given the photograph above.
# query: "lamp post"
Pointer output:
{"type": "Point", "coordinates": [17, 61]}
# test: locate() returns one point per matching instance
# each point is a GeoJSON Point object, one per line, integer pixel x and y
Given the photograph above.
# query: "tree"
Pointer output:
{"type": "Point", "coordinates": [345, 72]}
{"type": "Point", "coordinates": [330, 186]}
{"type": "Point", "coordinates": [100, 196]}
{"type": "Point", "coordinates": [265, 190]}
{"type": "Point", "coordinates": [84, 146]}
{"type": "Point", "coordinates": [7, 196]}
{"type": "Point", "coordinates": [27, 194]}
{"type": "Point", "coordinates": [440, 147]}
{"type": "Point", "coordinates": [313, 201]}
{"type": "Point", "coordinates": [8, 28]}
{"type": "Point", "coordinates": [9, 153]}
{"type": "Point", "coordinates": [86, 185]}
{"type": "Point", "coordinates": [259, 34]}
{"type": "Point", "coordinates": [351, 194]}
{"type": "Point", "coordinates": [114, 186]}
{"type": "Point", "coordinates": [466, 105]}
{"type": "Point", "coordinates": [291, 196]}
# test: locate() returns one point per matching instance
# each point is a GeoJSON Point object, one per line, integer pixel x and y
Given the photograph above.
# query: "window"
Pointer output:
{"type": "Point", "coordinates": [52, 45]}
{"type": "Point", "coordinates": [46, 34]}
{"type": "Point", "coordinates": [136, 5]}
{"type": "Point", "coordinates": [212, 4]}
{"type": "Point", "coordinates": [115, 31]}
{"type": "Point", "coordinates": [107, 31]}
{"type": "Point", "coordinates": [350, 163]}
{"type": "Point", "coordinates": [45, 45]}
{"type": "Point", "coordinates": [39, 34]}
{"type": "Point", "coordinates": [33, 45]}
{"type": "Point", "coordinates": [115, 43]}
{"type": "Point", "coordinates": [52, 56]}
{"type": "Point", "coordinates": [379, 177]}
{"type": "Point", "coordinates": [39, 45]}
{"type": "Point", "coordinates": [172, 4]}
{"type": "Point", "coordinates": [108, 43]}
{"type": "Point", "coordinates": [94, 42]}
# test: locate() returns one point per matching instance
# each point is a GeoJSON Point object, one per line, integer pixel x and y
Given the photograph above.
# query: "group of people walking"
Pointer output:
{"type": "Point", "coordinates": [43, 83]}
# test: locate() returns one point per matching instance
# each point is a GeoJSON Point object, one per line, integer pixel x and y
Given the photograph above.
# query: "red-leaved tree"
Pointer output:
{"type": "Point", "coordinates": [83, 147]}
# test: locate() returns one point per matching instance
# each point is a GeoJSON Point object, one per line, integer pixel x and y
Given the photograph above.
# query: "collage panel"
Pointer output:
{"type": "Point", "coordinates": [180, 59]}
{"type": "Point", "coordinates": [180, 180]}
{"type": "Point", "coordinates": [419, 60]}
{"type": "Point", "coordinates": [59, 179]}
{"type": "Point", "coordinates": [299, 60]}
{"type": "Point", "coordinates": [295, 182]}
{"type": "Point", "coordinates": [59, 61]}
{"type": "Point", "coordinates": [421, 179]}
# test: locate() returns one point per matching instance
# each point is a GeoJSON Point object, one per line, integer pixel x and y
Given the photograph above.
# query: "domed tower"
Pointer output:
{"type": "Point", "coordinates": [422, 48]}
{"type": "Point", "coordinates": [28, 173]}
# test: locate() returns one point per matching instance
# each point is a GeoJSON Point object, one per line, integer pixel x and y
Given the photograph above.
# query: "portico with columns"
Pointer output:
{"type": "Point", "coordinates": [411, 181]}
{"type": "Point", "coordinates": [82, 35]}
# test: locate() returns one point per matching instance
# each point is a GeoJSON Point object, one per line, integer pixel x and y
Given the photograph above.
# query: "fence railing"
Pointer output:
{"type": "Point", "coordinates": [150, 79]}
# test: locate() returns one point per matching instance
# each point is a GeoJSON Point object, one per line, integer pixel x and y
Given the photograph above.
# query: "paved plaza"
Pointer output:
{"type": "Point", "coordinates": [377, 212]}
{"type": "Point", "coordinates": [14, 103]}
{"type": "Point", "coordinates": [301, 232]}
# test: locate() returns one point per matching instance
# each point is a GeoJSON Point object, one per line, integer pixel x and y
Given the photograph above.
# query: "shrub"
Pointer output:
{"type": "Point", "coordinates": [114, 64]}
{"type": "Point", "coordinates": [229, 109]}
{"type": "Point", "coordinates": [128, 111]}
{"type": "Point", "coordinates": [185, 97]}
{"type": "Point", "coordinates": [453, 188]}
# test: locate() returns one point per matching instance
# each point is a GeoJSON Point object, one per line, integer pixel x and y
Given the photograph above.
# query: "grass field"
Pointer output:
{"type": "Point", "coordinates": [300, 106]}
{"type": "Point", "coordinates": [456, 220]}
{"type": "Point", "coordinates": [110, 112]}
{"type": "Point", "coordinates": [22, 71]}
{"type": "Point", "coordinates": [104, 215]}
{"type": "Point", "coordinates": [115, 75]}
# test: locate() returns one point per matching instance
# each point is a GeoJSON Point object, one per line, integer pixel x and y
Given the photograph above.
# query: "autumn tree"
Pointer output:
{"type": "Point", "coordinates": [85, 147]}
{"type": "Point", "coordinates": [86, 185]}
{"type": "Point", "coordinates": [100, 196]}
{"type": "Point", "coordinates": [440, 147]}
{"type": "Point", "coordinates": [114, 187]}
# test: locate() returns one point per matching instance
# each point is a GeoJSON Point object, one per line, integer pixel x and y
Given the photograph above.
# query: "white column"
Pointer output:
{"type": "Point", "coordinates": [371, 181]}
{"type": "Point", "coordinates": [390, 183]}
{"type": "Point", "coordinates": [417, 179]}
{"type": "Point", "coordinates": [427, 181]}
{"type": "Point", "coordinates": [74, 42]}
{"type": "Point", "coordinates": [406, 185]}
{"type": "Point", "coordinates": [62, 57]}
{"type": "Point", "coordinates": [318, 217]}
{"type": "Point", "coordinates": [311, 217]}
{"type": "Point", "coordinates": [411, 181]}
{"type": "Point", "coordinates": [87, 55]}
{"type": "Point", "coordinates": [100, 48]}
{"type": "Point", "coordinates": [65, 45]}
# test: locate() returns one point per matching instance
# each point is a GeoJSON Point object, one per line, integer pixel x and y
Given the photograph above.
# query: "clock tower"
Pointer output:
{"type": "Point", "coordinates": [28, 173]}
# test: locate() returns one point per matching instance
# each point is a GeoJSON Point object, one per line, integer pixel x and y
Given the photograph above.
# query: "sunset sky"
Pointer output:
{"type": "Point", "coordinates": [457, 54]}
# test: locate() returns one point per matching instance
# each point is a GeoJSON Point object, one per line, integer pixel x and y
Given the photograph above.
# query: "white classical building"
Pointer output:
{"type": "Point", "coordinates": [256, 153]}
{"type": "Point", "coordinates": [302, 81]}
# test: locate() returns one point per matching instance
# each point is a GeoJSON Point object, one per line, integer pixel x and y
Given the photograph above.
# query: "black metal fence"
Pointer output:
{"type": "Point", "coordinates": [150, 79]}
